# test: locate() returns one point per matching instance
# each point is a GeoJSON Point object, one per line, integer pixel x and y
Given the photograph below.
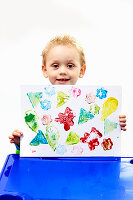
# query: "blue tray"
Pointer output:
{"type": "Point", "coordinates": [66, 178]}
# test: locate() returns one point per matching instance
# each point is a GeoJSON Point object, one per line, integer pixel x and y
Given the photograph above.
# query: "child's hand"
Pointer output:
{"type": "Point", "coordinates": [122, 122]}
{"type": "Point", "coordinates": [15, 137]}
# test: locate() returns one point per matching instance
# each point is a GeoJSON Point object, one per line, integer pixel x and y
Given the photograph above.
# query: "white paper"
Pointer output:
{"type": "Point", "coordinates": [70, 121]}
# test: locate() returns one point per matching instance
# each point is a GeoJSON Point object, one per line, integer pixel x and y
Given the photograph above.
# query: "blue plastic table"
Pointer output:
{"type": "Point", "coordinates": [66, 178]}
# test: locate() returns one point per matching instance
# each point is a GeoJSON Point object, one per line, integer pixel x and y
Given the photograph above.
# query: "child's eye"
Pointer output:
{"type": "Point", "coordinates": [70, 65]}
{"type": "Point", "coordinates": [55, 65]}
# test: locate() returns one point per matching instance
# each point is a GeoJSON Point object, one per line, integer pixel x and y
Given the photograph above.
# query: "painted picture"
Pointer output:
{"type": "Point", "coordinates": [70, 121]}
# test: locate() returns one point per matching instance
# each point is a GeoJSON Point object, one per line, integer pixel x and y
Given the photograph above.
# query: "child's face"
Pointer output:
{"type": "Point", "coordinates": [63, 65]}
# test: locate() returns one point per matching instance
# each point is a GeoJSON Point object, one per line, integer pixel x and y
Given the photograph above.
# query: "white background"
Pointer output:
{"type": "Point", "coordinates": [105, 30]}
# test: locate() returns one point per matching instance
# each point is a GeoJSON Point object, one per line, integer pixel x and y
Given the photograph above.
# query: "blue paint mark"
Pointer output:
{"type": "Point", "coordinates": [101, 93]}
{"type": "Point", "coordinates": [61, 149]}
{"type": "Point", "coordinates": [46, 105]}
{"type": "Point", "coordinates": [50, 90]}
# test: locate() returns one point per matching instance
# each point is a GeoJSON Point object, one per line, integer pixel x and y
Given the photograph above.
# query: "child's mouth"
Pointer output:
{"type": "Point", "coordinates": [63, 80]}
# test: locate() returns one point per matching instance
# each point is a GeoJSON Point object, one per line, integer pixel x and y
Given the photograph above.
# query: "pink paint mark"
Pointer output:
{"type": "Point", "coordinates": [77, 150]}
{"type": "Point", "coordinates": [66, 118]}
{"type": "Point", "coordinates": [33, 151]}
{"type": "Point", "coordinates": [75, 92]}
{"type": "Point", "coordinates": [90, 98]}
{"type": "Point", "coordinates": [46, 119]}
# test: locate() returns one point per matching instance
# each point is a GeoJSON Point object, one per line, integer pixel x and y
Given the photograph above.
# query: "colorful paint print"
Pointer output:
{"type": "Point", "coordinates": [31, 120]}
{"type": "Point", "coordinates": [90, 98]}
{"type": "Point", "coordinates": [66, 118]}
{"type": "Point", "coordinates": [52, 135]}
{"type": "Point", "coordinates": [109, 126]}
{"type": "Point", "coordinates": [39, 139]}
{"type": "Point", "coordinates": [72, 138]}
{"type": "Point", "coordinates": [34, 98]}
{"type": "Point", "coordinates": [109, 106]}
{"type": "Point", "coordinates": [84, 116]}
{"type": "Point", "coordinates": [61, 98]}
{"type": "Point", "coordinates": [46, 105]}
{"type": "Point", "coordinates": [107, 144]}
{"type": "Point", "coordinates": [70, 121]}
{"type": "Point", "coordinates": [101, 93]}
{"type": "Point", "coordinates": [75, 92]}
{"type": "Point", "coordinates": [49, 90]}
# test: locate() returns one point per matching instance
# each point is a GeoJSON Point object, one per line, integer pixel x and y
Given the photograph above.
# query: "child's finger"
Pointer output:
{"type": "Point", "coordinates": [17, 133]}
{"type": "Point", "coordinates": [11, 141]}
{"type": "Point", "coordinates": [122, 116]}
{"type": "Point", "coordinates": [122, 124]}
{"type": "Point", "coordinates": [11, 137]}
{"type": "Point", "coordinates": [123, 128]}
{"type": "Point", "coordinates": [122, 120]}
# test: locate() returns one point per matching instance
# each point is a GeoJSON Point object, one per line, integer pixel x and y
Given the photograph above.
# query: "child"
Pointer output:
{"type": "Point", "coordinates": [63, 62]}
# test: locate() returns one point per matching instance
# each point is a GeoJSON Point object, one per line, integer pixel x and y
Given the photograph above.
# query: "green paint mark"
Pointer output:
{"type": "Point", "coordinates": [97, 109]}
{"type": "Point", "coordinates": [72, 138]}
{"type": "Point", "coordinates": [52, 136]}
{"type": "Point", "coordinates": [61, 98]}
{"type": "Point", "coordinates": [31, 120]}
{"type": "Point", "coordinates": [94, 109]}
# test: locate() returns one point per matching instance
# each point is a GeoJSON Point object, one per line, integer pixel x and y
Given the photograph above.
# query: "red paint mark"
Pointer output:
{"type": "Point", "coordinates": [84, 139]}
{"type": "Point", "coordinates": [94, 142]}
{"type": "Point", "coordinates": [107, 144]}
{"type": "Point", "coordinates": [66, 118]}
{"type": "Point", "coordinates": [94, 130]}
{"type": "Point", "coordinates": [33, 151]}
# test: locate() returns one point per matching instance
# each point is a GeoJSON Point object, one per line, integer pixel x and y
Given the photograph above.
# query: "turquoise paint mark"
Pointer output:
{"type": "Point", "coordinates": [109, 126]}
{"type": "Point", "coordinates": [84, 116]}
{"type": "Point", "coordinates": [34, 98]}
{"type": "Point", "coordinates": [39, 139]}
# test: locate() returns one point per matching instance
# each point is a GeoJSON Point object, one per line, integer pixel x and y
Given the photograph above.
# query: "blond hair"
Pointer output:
{"type": "Point", "coordinates": [63, 40]}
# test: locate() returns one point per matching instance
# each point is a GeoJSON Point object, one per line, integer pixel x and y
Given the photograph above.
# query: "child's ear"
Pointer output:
{"type": "Point", "coordinates": [44, 71]}
{"type": "Point", "coordinates": [82, 71]}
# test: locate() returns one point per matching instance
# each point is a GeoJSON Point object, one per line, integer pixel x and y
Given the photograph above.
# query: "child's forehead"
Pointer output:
{"type": "Point", "coordinates": [64, 51]}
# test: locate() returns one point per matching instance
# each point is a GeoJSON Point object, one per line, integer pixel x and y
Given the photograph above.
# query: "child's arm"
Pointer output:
{"type": "Point", "coordinates": [15, 137]}
{"type": "Point", "coordinates": [122, 122]}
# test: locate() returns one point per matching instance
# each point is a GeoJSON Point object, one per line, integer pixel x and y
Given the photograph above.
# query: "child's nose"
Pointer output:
{"type": "Point", "coordinates": [63, 70]}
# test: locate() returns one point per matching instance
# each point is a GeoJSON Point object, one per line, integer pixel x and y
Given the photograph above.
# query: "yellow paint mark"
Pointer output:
{"type": "Point", "coordinates": [109, 106]}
